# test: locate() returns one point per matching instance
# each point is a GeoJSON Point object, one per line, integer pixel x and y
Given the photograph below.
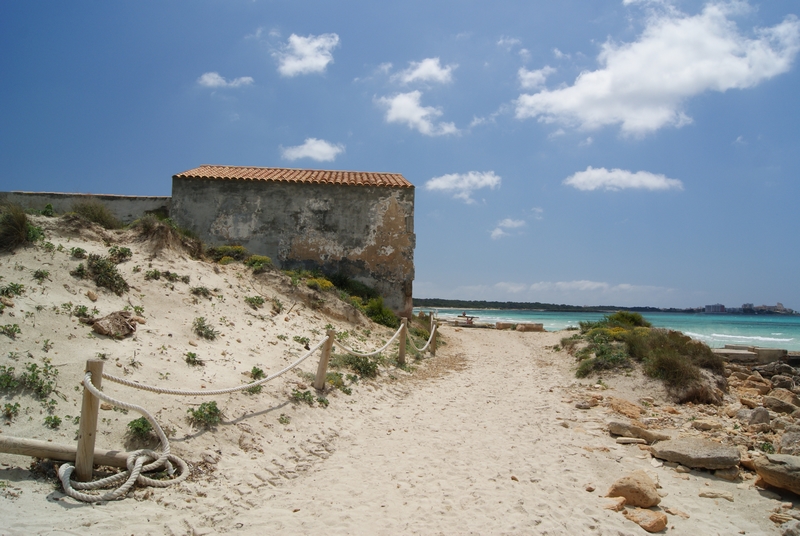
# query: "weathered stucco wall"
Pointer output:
{"type": "Point", "coordinates": [126, 208]}
{"type": "Point", "coordinates": [364, 232]}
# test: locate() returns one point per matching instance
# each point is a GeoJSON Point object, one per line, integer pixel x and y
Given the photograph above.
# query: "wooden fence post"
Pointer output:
{"type": "Point", "coordinates": [87, 433]}
{"type": "Point", "coordinates": [322, 369]}
{"type": "Point", "coordinates": [434, 326]}
{"type": "Point", "coordinates": [401, 354]}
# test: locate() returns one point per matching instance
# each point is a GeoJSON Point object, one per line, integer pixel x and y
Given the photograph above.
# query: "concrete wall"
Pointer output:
{"type": "Point", "coordinates": [364, 232]}
{"type": "Point", "coordinates": [126, 208]}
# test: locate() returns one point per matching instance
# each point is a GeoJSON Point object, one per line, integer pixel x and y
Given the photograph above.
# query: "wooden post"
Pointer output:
{"type": "Point", "coordinates": [87, 433]}
{"type": "Point", "coordinates": [54, 451]}
{"type": "Point", "coordinates": [401, 354]}
{"type": "Point", "coordinates": [322, 369]}
{"type": "Point", "coordinates": [434, 325]}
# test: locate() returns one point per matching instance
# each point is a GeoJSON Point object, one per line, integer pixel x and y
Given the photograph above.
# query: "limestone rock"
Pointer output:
{"type": "Point", "coordinates": [92, 295]}
{"type": "Point", "coordinates": [786, 396]}
{"type": "Point", "coordinates": [706, 424]}
{"type": "Point", "coordinates": [759, 415]}
{"type": "Point", "coordinates": [623, 407]}
{"type": "Point", "coordinates": [8, 302]}
{"type": "Point", "coordinates": [637, 488]}
{"type": "Point", "coordinates": [697, 453]}
{"type": "Point", "coordinates": [631, 430]}
{"type": "Point", "coordinates": [776, 367]}
{"type": "Point", "coordinates": [761, 387]}
{"type": "Point", "coordinates": [782, 382]}
{"type": "Point", "coordinates": [717, 494]}
{"type": "Point", "coordinates": [730, 474]}
{"type": "Point", "coordinates": [791, 528]}
{"type": "Point", "coordinates": [778, 405]}
{"type": "Point", "coordinates": [779, 470]}
{"type": "Point", "coordinates": [617, 504]}
{"type": "Point", "coordinates": [649, 520]}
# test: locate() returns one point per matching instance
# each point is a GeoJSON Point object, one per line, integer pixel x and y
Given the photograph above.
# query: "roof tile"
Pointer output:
{"type": "Point", "coordinates": [314, 176]}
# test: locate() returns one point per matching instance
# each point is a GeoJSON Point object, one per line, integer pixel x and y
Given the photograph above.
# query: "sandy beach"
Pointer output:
{"type": "Point", "coordinates": [483, 438]}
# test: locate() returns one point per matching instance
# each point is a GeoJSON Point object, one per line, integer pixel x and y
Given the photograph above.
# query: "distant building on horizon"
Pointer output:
{"type": "Point", "coordinates": [716, 308]}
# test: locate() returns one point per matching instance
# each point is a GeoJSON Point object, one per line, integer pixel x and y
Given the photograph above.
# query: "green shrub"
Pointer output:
{"type": "Point", "coordinates": [303, 396]}
{"type": "Point", "coordinates": [361, 365]}
{"type": "Point", "coordinates": [674, 369]}
{"type": "Point", "coordinates": [105, 274]}
{"type": "Point", "coordinates": [236, 252]}
{"type": "Point", "coordinates": [8, 380]}
{"type": "Point", "coordinates": [140, 428]}
{"type": "Point", "coordinates": [201, 291]}
{"type": "Point", "coordinates": [255, 301]}
{"type": "Point", "coordinates": [78, 253]}
{"type": "Point", "coordinates": [119, 254]}
{"type": "Point", "coordinates": [10, 330]}
{"type": "Point", "coordinates": [381, 314]}
{"type": "Point", "coordinates": [48, 211]}
{"type": "Point", "coordinates": [628, 319]}
{"type": "Point", "coordinates": [258, 263]}
{"type": "Point", "coordinates": [193, 360]}
{"type": "Point", "coordinates": [12, 289]}
{"type": "Point", "coordinates": [10, 411]}
{"type": "Point", "coordinates": [15, 229]}
{"type": "Point", "coordinates": [353, 287]}
{"type": "Point", "coordinates": [207, 415]}
{"type": "Point", "coordinates": [40, 275]}
{"type": "Point", "coordinates": [319, 283]}
{"type": "Point", "coordinates": [51, 421]}
{"type": "Point", "coordinates": [202, 329]}
{"type": "Point", "coordinates": [226, 260]}
{"type": "Point", "coordinates": [95, 211]}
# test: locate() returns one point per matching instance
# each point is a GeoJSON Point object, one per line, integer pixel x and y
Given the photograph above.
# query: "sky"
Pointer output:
{"type": "Point", "coordinates": [586, 152]}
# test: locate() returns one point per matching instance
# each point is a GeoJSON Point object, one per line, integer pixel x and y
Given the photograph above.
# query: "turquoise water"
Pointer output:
{"type": "Point", "coordinates": [771, 331]}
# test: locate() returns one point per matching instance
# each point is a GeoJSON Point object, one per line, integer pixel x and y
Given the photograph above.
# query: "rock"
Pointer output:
{"type": "Point", "coordinates": [583, 404]}
{"type": "Point", "coordinates": [637, 488]}
{"type": "Point", "coordinates": [730, 474]}
{"type": "Point", "coordinates": [676, 512]}
{"type": "Point", "coordinates": [106, 406]}
{"type": "Point", "coordinates": [139, 319]}
{"type": "Point", "coordinates": [774, 368]}
{"type": "Point", "coordinates": [8, 302]}
{"type": "Point", "coordinates": [759, 415]}
{"type": "Point", "coordinates": [761, 387]}
{"type": "Point", "coordinates": [92, 295]}
{"type": "Point", "coordinates": [716, 494]}
{"type": "Point", "coordinates": [623, 407]}
{"type": "Point", "coordinates": [697, 453]}
{"type": "Point", "coordinates": [779, 470]}
{"type": "Point", "coordinates": [649, 520]}
{"type": "Point", "coordinates": [760, 428]}
{"type": "Point", "coordinates": [589, 487]}
{"type": "Point", "coordinates": [118, 325]}
{"type": "Point", "coordinates": [617, 504]}
{"type": "Point", "coordinates": [778, 405]}
{"type": "Point", "coordinates": [739, 375]}
{"type": "Point", "coordinates": [705, 424]}
{"type": "Point", "coordinates": [631, 441]}
{"type": "Point", "coordinates": [790, 528]}
{"type": "Point", "coordinates": [630, 430]}
{"type": "Point", "coordinates": [530, 327]}
{"type": "Point", "coordinates": [192, 343]}
{"type": "Point", "coordinates": [786, 396]}
{"type": "Point", "coordinates": [782, 382]}
{"type": "Point", "coordinates": [749, 402]}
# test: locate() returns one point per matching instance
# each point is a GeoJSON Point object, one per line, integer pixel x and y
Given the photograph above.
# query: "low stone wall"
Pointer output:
{"type": "Point", "coordinates": [126, 208]}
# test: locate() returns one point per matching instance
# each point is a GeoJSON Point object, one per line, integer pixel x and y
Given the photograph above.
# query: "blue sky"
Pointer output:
{"type": "Point", "coordinates": [626, 152]}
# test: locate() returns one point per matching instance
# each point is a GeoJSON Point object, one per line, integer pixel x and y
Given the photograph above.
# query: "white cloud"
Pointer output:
{"type": "Point", "coordinates": [538, 213]}
{"type": "Point", "coordinates": [620, 179]}
{"type": "Point", "coordinates": [305, 55]}
{"type": "Point", "coordinates": [319, 150]}
{"type": "Point", "coordinates": [534, 79]}
{"type": "Point", "coordinates": [560, 55]}
{"type": "Point", "coordinates": [508, 42]}
{"type": "Point", "coordinates": [507, 223]}
{"type": "Point", "coordinates": [643, 85]}
{"type": "Point", "coordinates": [461, 185]}
{"type": "Point", "coordinates": [739, 141]}
{"type": "Point", "coordinates": [524, 54]}
{"type": "Point", "coordinates": [406, 108]}
{"type": "Point", "coordinates": [215, 80]}
{"type": "Point", "coordinates": [427, 70]}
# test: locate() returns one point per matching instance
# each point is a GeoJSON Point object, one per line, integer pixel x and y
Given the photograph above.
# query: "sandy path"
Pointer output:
{"type": "Point", "coordinates": [489, 449]}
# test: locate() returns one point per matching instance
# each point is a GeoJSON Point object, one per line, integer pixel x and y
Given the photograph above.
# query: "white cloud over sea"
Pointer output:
{"type": "Point", "coordinates": [319, 150]}
{"type": "Point", "coordinates": [643, 85]}
{"type": "Point", "coordinates": [620, 179]}
{"type": "Point", "coordinates": [306, 55]}
{"type": "Point", "coordinates": [214, 80]}
{"type": "Point", "coordinates": [462, 185]}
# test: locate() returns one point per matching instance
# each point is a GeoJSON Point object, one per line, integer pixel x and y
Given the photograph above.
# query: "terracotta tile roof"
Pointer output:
{"type": "Point", "coordinates": [314, 176]}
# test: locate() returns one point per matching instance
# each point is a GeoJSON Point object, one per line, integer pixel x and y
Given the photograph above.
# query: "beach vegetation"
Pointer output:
{"type": "Point", "coordinates": [202, 329]}
{"type": "Point", "coordinates": [193, 360]}
{"type": "Point", "coordinates": [381, 314]}
{"type": "Point", "coordinates": [201, 291]}
{"type": "Point", "coordinates": [12, 289]}
{"type": "Point", "coordinates": [259, 263]}
{"type": "Point", "coordinates": [207, 415]}
{"type": "Point", "coordinates": [103, 271]}
{"type": "Point", "coordinates": [40, 275]}
{"type": "Point", "coordinates": [364, 366]}
{"type": "Point", "coordinates": [10, 330]}
{"type": "Point", "coordinates": [10, 411]}
{"type": "Point", "coordinates": [140, 428]}
{"type": "Point", "coordinates": [284, 419]}
{"type": "Point", "coordinates": [78, 253]}
{"type": "Point", "coordinates": [96, 212]}
{"type": "Point", "coordinates": [234, 253]}
{"type": "Point", "coordinates": [52, 421]}
{"type": "Point", "coordinates": [119, 254]}
{"type": "Point", "coordinates": [16, 229]}
{"type": "Point", "coordinates": [48, 211]}
{"type": "Point", "coordinates": [303, 396]}
{"type": "Point", "coordinates": [255, 302]}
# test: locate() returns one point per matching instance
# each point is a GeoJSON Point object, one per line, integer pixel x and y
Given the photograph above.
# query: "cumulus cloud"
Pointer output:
{"type": "Point", "coordinates": [306, 55]}
{"type": "Point", "coordinates": [560, 55]}
{"type": "Point", "coordinates": [461, 185]}
{"type": "Point", "coordinates": [508, 223]}
{"type": "Point", "coordinates": [534, 79]}
{"type": "Point", "coordinates": [216, 81]}
{"type": "Point", "coordinates": [643, 85]}
{"type": "Point", "coordinates": [319, 150]}
{"type": "Point", "coordinates": [427, 70]}
{"type": "Point", "coordinates": [405, 108]}
{"type": "Point", "coordinates": [620, 179]}
{"type": "Point", "coordinates": [508, 42]}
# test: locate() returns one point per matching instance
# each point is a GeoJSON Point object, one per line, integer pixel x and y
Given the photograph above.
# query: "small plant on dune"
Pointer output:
{"type": "Point", "coordinates": [40, 275]}
{"type": "Point", "coordinates": [235, 253]}
{"type": "Point", "coordinates": [201, 291]}
{"type": "Point", "coordinates": [80, 272]}
{"type": "Point", "coordinates": [256, 374]}
{"type": "Point", "coordinates": [52, 421]}
{"type": "Point", "coordinates": [140, 428]}
{"type": "Point", "coordinates": [284, 419]}
{"type": "Point", "coordinates": [105, 274]}
{"type": "Point", "coordinates": [47, 345]}
{"type": "Point", "coordinates": [226, 260]}
{"type": "Point", "coordinates": [319, 283]}
{"type": "Point", "coordinates": [305, 341]}
{"type": "Point", "coordinates": [12, 289]}
{"type": "Point", "coordinates": [119, 254]}
{"type": "Point", "coordinates": [15, 228]}
{"type": "Point", "coordinates": [361, 365]}
{"type": "Point", "coordinates": [259, 263]}
{"type": "Point", "coordinates": [207, 415]}
{"type": "Point", "coordinates": [202, 329]}
{"type": "Point", "coordinates": [193, 360]}
{"type": "Point", "coordinates": [96, 212]}
{"type": "Point", "coordinates": [151, 275]}
{"type": "Point", "coordinates": [81, 311]}
{"type": "Point", "coordinates": [78, 253]}
{"type": "Point", "coordinates": [40, 380]}
{"type": "Point", "coordinates": [255, 301]}
{"type": "Point", "coordinates": [381, 314]}
{"type": "Point", "coordinates": [10, 330]}
{"type": "Point", "coordinates": [277, 305]}
{"type": "Point", "coordinates": [8, 380]}
{"type": "Point", "coordinates": [302, 397]}
{"type": "Point", "coordinates": [48, 211]}
{"type": "Point", "coordinates": [10, 411]}
{"type": "Point", "coordinates": [322, 401]}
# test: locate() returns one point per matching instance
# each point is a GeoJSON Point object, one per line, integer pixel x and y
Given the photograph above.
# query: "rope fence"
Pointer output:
{"type": "Point", "coordinates": [145, 460]}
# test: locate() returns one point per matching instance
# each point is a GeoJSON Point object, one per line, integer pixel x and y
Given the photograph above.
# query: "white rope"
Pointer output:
{"type": "Point", "coordinates": [376, 352]}
{"type": "Point", "coordinates": [204, 392]}
{"type": "Point", "coordinates": [136, 461]}
{"type": "Point", "coordinates": [420, 350]}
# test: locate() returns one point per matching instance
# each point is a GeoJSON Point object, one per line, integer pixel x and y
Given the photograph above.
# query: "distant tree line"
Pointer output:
{"type": "Point", "coordinates": [535, 306]}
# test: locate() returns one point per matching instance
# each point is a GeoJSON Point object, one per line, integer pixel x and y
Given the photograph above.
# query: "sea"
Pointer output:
{"type": "Point", "coordinates": [716, 330]}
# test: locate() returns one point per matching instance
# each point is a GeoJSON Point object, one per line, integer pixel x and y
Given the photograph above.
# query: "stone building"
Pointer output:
{"type": "Point", "coordinates": [356, 223]}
